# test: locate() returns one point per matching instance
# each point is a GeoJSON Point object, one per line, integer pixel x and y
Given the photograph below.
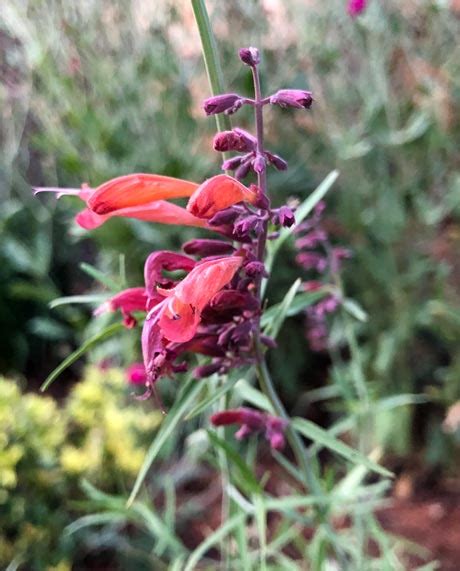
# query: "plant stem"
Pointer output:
{"type": "Point", "coordinates": [312, 482]}
{"type": "Point", "coordinates": [211, 60]}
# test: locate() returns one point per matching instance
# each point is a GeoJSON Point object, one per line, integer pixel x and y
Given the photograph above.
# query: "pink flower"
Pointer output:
{"type": "Point", "coordinates": [356, 7]}
{"type": "Point", "coordinates": [136, 374]}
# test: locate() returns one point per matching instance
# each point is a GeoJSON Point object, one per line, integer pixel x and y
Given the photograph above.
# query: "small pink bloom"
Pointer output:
{"type": "Point", "coordinates": [127, 301]}
{"type": "Point", "coordinates": [218, 193]}
{"type": "Point", "coordinates": [136, 374]}
{"type": "Point", "coordinates": [356, 7]}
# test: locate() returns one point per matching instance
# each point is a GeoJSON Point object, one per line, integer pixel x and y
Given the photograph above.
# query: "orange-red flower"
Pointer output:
{"type": "Point", "coordinates": [139, 196]}
{"type": "Point", "coordinates": [137, 189]}
{"type": "Point", "coordinates": [218, 193]}
{"type": "Point", "coordinates": [181, 313]}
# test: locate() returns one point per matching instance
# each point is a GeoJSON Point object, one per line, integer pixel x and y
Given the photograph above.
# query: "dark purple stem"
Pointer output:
{"type": "Point", "coordinates": [262, 176]}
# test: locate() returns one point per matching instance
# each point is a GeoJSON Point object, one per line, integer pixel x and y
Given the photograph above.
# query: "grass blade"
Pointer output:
{"type": "Point", "coordinates": [84, 348]}
{"type": "Point", "coordinates": [321, 436]}
{"type": "Point", "coordinates": [186, 396]}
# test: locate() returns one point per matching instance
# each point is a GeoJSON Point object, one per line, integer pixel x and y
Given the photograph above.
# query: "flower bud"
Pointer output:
{"type": "Point", "coordinates": [286, 216]}
{"type": "Point", "coordinates": [206, 370]}
{"type": "Point", "coordinates": [226, 216]}
{"type": "Point", "coordinates": [297, 98]}
{"type": "Point", "coordinates": [205, 247]}
{"type": "Point", "coordinates": [258, 164]}
{"type": "Point", "coordinates": [227, 102]}
{"type": "Point", "coordinates": [243, 170]}
{"type": "Point", "coordinates": [232, 164]}
{"type": "Point", "coordinates": [247, 225]}
{"type": "Point", "coordinates": [255, 268]}
{"type": "Point", "coordinates": [235, 140]}
{"type": "Point", "coordinates": [275, 160]}
{"type": "Point", "coordinates": [250, 56]}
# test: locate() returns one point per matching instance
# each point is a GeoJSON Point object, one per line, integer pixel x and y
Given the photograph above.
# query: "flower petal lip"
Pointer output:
{"type": "Point", "coordinates": [181, 314]}
{"type": "Point", "coordinates": [218, 193]}
{"type": "Point", "coordinates": [160, 211]}
{"type": "Point", "coordinates": [137, 189]}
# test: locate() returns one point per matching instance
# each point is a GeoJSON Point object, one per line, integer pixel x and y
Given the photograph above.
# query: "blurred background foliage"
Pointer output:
{"type": "Point", "coordinates": [92, 90]}
{"type": "Point", "coordinates": [99, 433]}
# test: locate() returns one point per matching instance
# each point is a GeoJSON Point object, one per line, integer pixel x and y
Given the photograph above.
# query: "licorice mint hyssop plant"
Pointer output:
{"type": "Point", "coordinates": [216, 309]}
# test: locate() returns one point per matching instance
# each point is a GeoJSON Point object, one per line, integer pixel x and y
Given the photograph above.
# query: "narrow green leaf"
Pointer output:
{"type": "Point", "coordinates": [99, 276]}
{"type": "Point", "coordinates": [253, 396]}
{"type": "Point", "coordinates": [236, 461]}
{"type": "Point", "coordinates": [321, 436]}
{"type": "Point", "coordinates": [280, 315]}
{"type": "Point", "coordinates": [207, 402]}
{"type": "Point", "coordinates": [184, 400]}
{"type": "Point", "coordinates": [84, 348]}
{"type": "Point", "coordinates": [96, 298]}
{"type": "Point", "coordinates": [355, 310]}
{"type": "Point", "coordinates": [94, 519]}
{"type": "Point", "coordinates": [300, 302]}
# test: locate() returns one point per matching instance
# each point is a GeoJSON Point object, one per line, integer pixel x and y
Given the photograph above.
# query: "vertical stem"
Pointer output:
{"type": "Point", "coordinates": [211, 59]}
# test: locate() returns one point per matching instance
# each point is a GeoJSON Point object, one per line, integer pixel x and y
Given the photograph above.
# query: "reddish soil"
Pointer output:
{"type": "Point", "coordinates": [432, 520]}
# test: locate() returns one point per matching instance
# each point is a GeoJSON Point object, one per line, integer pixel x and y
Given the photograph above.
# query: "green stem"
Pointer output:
{"type": "Point", "coordinates": [211, 59]}
{"type": "Point", "coordinates": [266, 384]}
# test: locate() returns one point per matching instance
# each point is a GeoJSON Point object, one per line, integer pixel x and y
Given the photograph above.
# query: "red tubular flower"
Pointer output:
{"type": "Point", "coordinates": [160, 211]}
{"type": "Point", "coordinates": [127, 301]}
{"type": "Point", "coordinates": [181, 314]}
{"type": "Point", "coordinates": [252, 421]}
{"type": "Point", "coordinates": [219, 193]}
{"type": "Point", "coordinates": [137, 189]}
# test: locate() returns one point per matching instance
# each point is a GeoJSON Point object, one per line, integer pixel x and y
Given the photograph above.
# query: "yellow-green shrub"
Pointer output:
{"type": "Point", "coordinates": [99, 432]}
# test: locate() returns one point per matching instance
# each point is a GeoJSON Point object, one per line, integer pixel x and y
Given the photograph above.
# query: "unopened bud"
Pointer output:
{"type": "Point", "coordinates": [227, 216]}
{"type": "Point", "coordinates": [297, 98]}
{"type": "Point", "coordinates": [286, 216]}
{"type": "Point", "coordinates": [243, 170]}
{"type": "Point", "coordinates": [258, 164]}
{"type": "Point", "coordinates": [232, 164]}
{"type": "Point", "coordinates": [227, 102]}
{"type": "Point", "coordinates": [276, 161]}
{"type": "Point", "coordinates": [207, 247]}
{"type": "Point", "coordinates": [250, 56]}
{"type": "Point", "coordinates": [235, 140]}
{"type": "Point", "coordinates": [206, 370]}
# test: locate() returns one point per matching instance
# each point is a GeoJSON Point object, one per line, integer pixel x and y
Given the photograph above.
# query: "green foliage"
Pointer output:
{"type": "Point", "coordinates": [98, 433]}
